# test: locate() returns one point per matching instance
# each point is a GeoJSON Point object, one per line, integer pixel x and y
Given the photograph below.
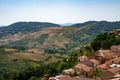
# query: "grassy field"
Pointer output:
{"type": "Point", "coordinates": [14, 60]}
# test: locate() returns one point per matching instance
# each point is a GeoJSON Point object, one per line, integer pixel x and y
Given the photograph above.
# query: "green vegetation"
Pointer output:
{"type": "Point", "coordinates": [23, 70]}
{"type": "Point", "coordinates": [42, 38]}
{"type": "Point", "coordinates": [55, 68]}
{"type": "Point", "coordinates": [96, 74]}
{"type": "Point", "coordinates": [34, 78]}
{"type": "Point", "coordinates": [104, 41]}
{"type": "Point", "coordinates": [17, 63]}
{"type": "Point", "coordinates": [37, 72]}
{"type": "Point", "coordinates": [24, 27]}
{"type": "Point", "coordinates": [65, 40]}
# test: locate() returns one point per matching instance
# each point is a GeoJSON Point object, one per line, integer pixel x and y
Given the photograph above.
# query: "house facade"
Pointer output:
{"type": "Point", "coordinates": [82, 69]}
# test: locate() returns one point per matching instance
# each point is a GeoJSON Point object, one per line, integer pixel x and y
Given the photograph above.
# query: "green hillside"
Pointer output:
{"type": "Point", "coordinates": [23, 27]}
{"type": "Point", "coordinates": [32, 49]}
{"type": "Point", "coordinates": [64, 40]}
{"type": "Point", "coordinates": [14, 61]}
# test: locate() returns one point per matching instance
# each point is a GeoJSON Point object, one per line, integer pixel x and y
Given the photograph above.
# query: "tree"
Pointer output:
{"type": "Point", "coordinates": [34, 78]}
{"type": "Point", "coordinates": [96, 74]}
{"type": "Point", "coordinates": [62, 66]}
{"type": "Point", "coordinates": [104, 41]}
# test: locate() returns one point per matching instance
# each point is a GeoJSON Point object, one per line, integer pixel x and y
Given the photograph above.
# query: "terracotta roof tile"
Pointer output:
{"type": "Point", "coordinates": [84, 67]}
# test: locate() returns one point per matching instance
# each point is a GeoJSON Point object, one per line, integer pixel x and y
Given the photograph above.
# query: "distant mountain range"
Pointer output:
{"type": "Point", "coordinates": [24, 27]}
{"type": "Point", "coordinates": [66, 24]}
{"type": "Point", "coordinates": [1, 25]}
{"type": "Point", "coordinates": [53, 38]}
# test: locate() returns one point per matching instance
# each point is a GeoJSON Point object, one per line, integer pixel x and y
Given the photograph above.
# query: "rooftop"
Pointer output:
{"type": "Point", "coordinates": [82, 66]}
{"type": "Point", "coordinates": [94, 60]}
{"type": "Point", "coordinates": [114, 70]}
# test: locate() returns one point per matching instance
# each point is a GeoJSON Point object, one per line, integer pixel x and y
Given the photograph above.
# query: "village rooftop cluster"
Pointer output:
{"type": "Point", "coordinates": [103, 65]}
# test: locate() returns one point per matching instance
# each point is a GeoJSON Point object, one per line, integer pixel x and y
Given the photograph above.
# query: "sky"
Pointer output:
{"type": "Point", "coordinates": [58, 11]}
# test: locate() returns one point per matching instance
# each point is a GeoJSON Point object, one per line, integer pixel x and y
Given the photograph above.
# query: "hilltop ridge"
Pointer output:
{"type": "Point", "coordinates": [41, 35]}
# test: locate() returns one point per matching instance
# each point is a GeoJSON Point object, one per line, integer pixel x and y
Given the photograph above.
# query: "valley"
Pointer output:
{"type": "Point", "coordinates": [56, 39]}
{"type": "Point", "coordinates": [26, 45]}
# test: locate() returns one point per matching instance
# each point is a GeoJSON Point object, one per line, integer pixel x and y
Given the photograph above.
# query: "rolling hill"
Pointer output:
{"type": "Point", "coordinates": [32, 44]}
{"type": "Point", "coordinates": [22, 27]}
{"type": "Point", "coordinates": [52, 38]}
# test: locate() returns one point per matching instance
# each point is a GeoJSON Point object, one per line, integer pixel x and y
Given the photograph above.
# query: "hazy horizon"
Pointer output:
{"type": "Point", "coordinates": [59, 11]}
